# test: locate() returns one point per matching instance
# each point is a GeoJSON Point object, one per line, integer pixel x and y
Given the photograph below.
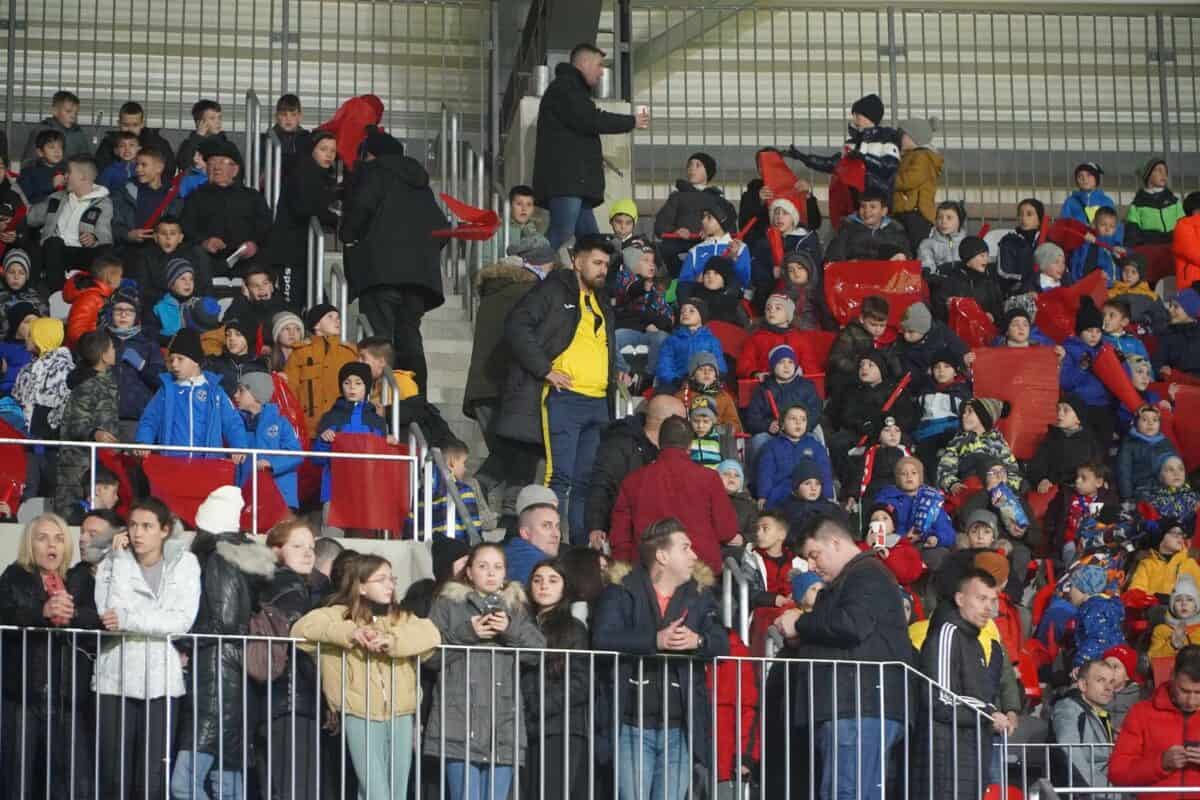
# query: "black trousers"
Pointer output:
{"type": "Point", "coordinates": [545, 758]}
{"type": "Point", "coordinates": [916, 226]}
{"type": "Point", "coordinates": [291, 755]}
{"type": "Point", "coordinates": [57, 258]}
{"type": "Point", "coordinates": [23, 770]}
{"type": "Point", "coordinates": [134, 751]}
{"type": "Point", "coordinates": [395, 314]}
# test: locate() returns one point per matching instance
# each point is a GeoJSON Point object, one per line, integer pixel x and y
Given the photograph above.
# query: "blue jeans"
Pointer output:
{"type": "Point", "coordinates": [627, 337]}
{"type": "Point", "coordinates": [378, 756]}
{"type": "Point", "coordinates": [569, 218]}
{"type": "Point", "coordinates": [202, 781]}
{"type": "Point", "coordinates": [480, 783]}
{"type": "Point", "coordinates": [858, 754]}
{"type": "Point", "coordinates": [659, 781]}
{"type": "Point", "coordinates": [573, 425]}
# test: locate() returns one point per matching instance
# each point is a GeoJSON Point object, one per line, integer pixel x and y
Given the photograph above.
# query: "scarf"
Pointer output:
{"type": "Point", "coordinates": [53, 584]}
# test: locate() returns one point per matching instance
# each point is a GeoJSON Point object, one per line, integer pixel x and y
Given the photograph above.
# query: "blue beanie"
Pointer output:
{"type": "Point", "coordinates": [802, 582]}
{"type": "Point", "coordinates": [1089, 579]}
{"type": "Point", "coordinates": [732, 465]}
{"type": "Point", "coordinates": [1189, 301]}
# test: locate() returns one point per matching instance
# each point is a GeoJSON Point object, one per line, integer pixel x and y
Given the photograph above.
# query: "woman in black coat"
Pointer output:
{"type": "Point", "coordinates": [559, 683]}
{"type": "Point", "coordinates": [234, 570]}
{"type": "Point", "coordinates": [310, 190]}
{"type": "Point", "coordinates": [45, 703]}
{"type": "Point", "coordinates": [294, 590]}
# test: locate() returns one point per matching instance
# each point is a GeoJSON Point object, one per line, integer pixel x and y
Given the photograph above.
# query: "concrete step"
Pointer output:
{"type": "Point", "coordinates": [444, 373]}
{"type": "Point", "coordinates": [457, 329]}
{"type": "Point", "coordinates": [452, 310]}
{"type": "Point", "coordinates": [461, 348]}
{"type": "Point", "coordinates": [447, 395]}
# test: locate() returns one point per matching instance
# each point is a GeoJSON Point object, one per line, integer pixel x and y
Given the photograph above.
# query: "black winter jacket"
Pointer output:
{"type": "Point", "coordinates": [546, 693]}
{"type": "Point", "coordinates": [149, 137]}
{"type": "Point", "coordinates": [233, 572]}
{"type": "Point", "coordinates": [687, 204]}
{"type": "Point", "coordinates": [953, 657]}
{"type": "Point", "coordinates": [231, 368]}
{"type": "Point", "coordinates": [916, 357]}
{"type": "Point", "coordinates": [858, 616]}
{"type": "Point", "coordinates": [308, 191]}
{"type": "Point", "coordinates": [499, 287]}
{"type": "Point", "coordinates": [257, 315]}
{"type": "Point", "coordinates": [538, 329]}
{"type": "Point", "coordinates": [859, 411]}
{"type": "Point", "coordinates": [962, 282]}
{"type": "Point", "coordinates": [855, 241]}
{"type": "Point", "coordinates": [235, 214]}
{"type": "Point", "coordinates": [568, 160]}
{"type": "Point", "coordinates": [1060, 454]}
{"type": "Point", "coordinates": [31, 667]}
{"type": "Point", "coordinates": [628, 621]}
{"type": "Point", "coordinates": [387, 225]}
{"type": "Point", "coordinates": [148, 268]}
{"type": "Point", "coordinates": [623, 448]}
{"type": "Point", "coordinates": [294, 595]}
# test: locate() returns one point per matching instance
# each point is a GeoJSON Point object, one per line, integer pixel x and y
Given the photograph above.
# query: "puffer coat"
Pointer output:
{"type": "Point", "coordinates": [467, 687]}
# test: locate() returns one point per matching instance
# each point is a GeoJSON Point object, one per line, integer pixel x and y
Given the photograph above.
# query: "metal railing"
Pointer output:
{"type": "Point", "coordinates": [251, 154]}
{"type": "Point", "coordinates": [263, 156]}
{"type": "Point", "coordinates": [339, 291]}
{"type": "Point", "coordinates": [599, 716]}
{"type": "Point", "coordinates": [251, 454]}
{"type": "Point", "coordinates": [316, 262]}
{"type": "Point", "coordinates": [735, 610]}
{"type": "Point", "coordinates": [464, 176]}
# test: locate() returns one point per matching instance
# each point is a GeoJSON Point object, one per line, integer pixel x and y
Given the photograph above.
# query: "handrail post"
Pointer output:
{"type": "Point", "coordinates": [253, 120]}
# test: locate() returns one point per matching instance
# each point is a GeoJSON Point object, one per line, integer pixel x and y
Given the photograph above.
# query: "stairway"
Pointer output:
{"type": "Point", "coordinates": [447, 333]}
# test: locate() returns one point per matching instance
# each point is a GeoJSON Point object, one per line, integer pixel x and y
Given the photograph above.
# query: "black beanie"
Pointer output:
{"type": "Point", "coordinates": [1088, 316]}
{"type": "Point", "coordinates": [1077, 405]}
{"type": "Point", "coordinates": [970, 247]}
{"type": "Point", "coordinates": [314, 315]}
{"type": "Point", "coordinates": [355, 368]}
{"type": "Point", "coordinates": [246, 329]}
{"type": "Point", "coordinates": [870, 107]}
{"type": "Point", "coordinates": [699, 304]}
{"type": "Point", "coordinates": [710, 164]}
{"type": "Point", "coordinates": [187, 343]}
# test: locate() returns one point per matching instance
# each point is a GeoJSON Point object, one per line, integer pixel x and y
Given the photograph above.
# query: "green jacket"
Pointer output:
{"type": "Point", "coordinates": [1152, 217]}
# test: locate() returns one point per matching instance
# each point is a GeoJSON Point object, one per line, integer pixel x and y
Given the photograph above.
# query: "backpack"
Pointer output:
{"type": "Point", "coordinates": [267, 660]}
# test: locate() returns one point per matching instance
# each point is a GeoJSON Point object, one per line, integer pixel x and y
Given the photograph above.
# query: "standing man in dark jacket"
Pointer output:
{"type": "Point", "coordinates": [661, 607]}
{"type": "Point", "coordinates": [956, 763]}
{"type": "Point", "coordinates": [858, 617]}
{"type": "Point", "coordinates": [224, 216]}
{"type": "Point", "coordinates": [568, 165]}
{"type": "Point", "coordinates": [560, 386]}
{"type": "Point", "coordinates": [627, 445]}
{"type": "Point", "coordinates": [392, 261]}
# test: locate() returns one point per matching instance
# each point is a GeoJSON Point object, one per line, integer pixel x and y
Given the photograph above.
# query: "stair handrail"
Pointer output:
{"type": "Point", "coordinates": [454, 503]}
{"type": "Point", "coordinates": [316, 262]}
{"type": "Point", "coordinates": [274, 171]}
{"type": "Point", "coordinates": [339, 290]}
{"type": "Point", "coordinates": [253, 123]}
{"type": "Point", "coordinates": [731, 574]}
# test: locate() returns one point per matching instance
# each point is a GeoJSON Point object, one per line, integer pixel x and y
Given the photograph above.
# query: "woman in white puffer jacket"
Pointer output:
{"type": "Point", "coordinates": [147, 588]}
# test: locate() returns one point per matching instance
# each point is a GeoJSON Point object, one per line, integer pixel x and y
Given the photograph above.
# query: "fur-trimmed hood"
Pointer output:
{"type": "Point", "coordinates": [512, 596]}
{"type": "Point", "coordinates": [702, 573]}
{"type": "Point", "coordinates": [500, 275]}
{"type": "Point", "coordinates": [250, 557]}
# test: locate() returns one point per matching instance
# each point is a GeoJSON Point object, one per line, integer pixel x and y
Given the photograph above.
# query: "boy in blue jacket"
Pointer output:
{"type": "Point", "coordinates": [351, 413]}
{"type": "Point", "coordinates": [1143, 450]}
{"type": "Point", "coordinates": [180, 307]}
{"type": "Point", "coordinates": [1075, 373]}
{"type": "Point", "coordinates": [191, 408]}
{"type": "Point", "coordinates": [1088, 197]}
{"type": "Point", "coordinates": [780, 456]}
{"type": "Point", "coordinates": [690, 336]}
{"type": "Point", "coordinates": [48, 174]}
{"type": "Point", "coordinates": [715, 224]}
{"type": "Point", "coordinates": [784, 387]}
{"type": "Point", "coordinates": [920, 508]}
{"type": "Point", "coordinates": [267, 429]}
{"type": "Point", "coordinates": [1091, 256]}
{"type": "Point", "coordinates": [1115, 329]}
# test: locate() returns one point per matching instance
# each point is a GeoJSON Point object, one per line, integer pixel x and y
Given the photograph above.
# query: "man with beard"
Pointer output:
{"type": "Point", "coordinates": [561, 384]}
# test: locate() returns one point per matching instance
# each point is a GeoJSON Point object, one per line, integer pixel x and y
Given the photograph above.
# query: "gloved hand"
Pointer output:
{"type": "Point", "coordinates": [133, 359]}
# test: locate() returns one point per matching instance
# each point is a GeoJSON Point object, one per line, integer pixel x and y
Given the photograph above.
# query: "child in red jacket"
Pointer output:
{"type": "Point", "coordinates": [736, 690]}
{"type": "Point", "coordinates": [754, 360]}
{"type": "Point", "coordinates": [767, 565]}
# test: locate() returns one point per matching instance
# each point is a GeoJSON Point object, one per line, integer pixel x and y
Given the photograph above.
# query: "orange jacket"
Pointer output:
{"type": "Point", "coordinates": [312, 373]}
{"type": "Point", "coordinates": [87, 297]}
{"type": "Point", "coordinates": [1186, 247]}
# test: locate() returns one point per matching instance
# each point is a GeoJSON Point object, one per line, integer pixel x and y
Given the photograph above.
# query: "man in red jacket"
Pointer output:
{"type": "Point", "coordinates": [674, 485]}
{"type": "Point", "coordinates": [1159, 742]}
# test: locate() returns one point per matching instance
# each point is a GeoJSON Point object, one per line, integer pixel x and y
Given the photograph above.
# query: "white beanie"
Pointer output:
{"type": "Point", "coordinates": [221, 511]}
{"type": "Point", "coordinates": [787, 205]}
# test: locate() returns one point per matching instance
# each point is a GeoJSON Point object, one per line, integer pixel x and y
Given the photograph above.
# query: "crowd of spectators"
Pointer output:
{"type": "Point", "coordinates": [833, 449]}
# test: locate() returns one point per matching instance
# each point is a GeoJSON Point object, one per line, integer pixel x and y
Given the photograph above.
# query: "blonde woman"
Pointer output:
{"type": "Point", "coordinates": [42, 672]}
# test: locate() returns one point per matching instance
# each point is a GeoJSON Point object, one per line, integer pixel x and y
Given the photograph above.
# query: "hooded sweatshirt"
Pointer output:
{"type": "Point", "coordinates": [71, 214]}
{"type": "Point", "coordinates": [1161, 645]}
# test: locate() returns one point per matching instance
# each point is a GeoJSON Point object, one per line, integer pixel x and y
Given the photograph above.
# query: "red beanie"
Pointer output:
{"type": "Point", "coordinates": [1126, 655]}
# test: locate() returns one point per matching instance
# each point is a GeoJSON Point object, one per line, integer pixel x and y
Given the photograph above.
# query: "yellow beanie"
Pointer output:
{"type": "Point", "coordinates": [626, 207]}
{"type": "Point", "coordinates": [47, 334]}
